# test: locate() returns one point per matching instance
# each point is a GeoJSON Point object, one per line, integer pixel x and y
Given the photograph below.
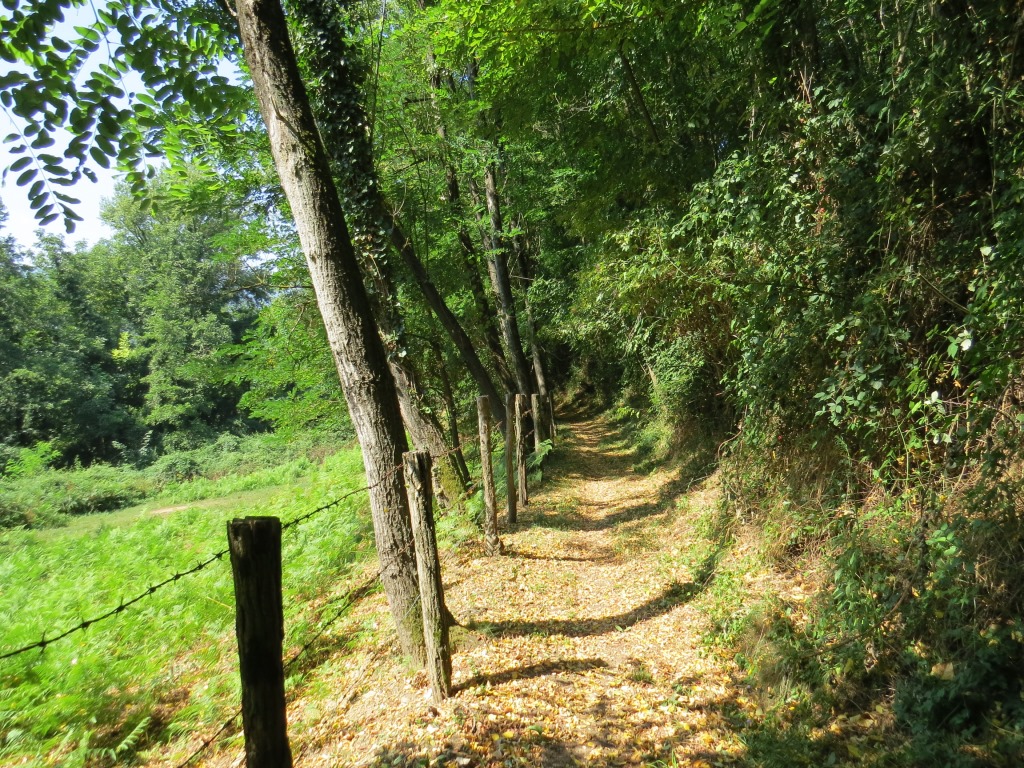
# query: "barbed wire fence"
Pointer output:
{"type": "Point", "coordinates": [347, 600]}
{"type": "Point", "coordinates": [85, 624]}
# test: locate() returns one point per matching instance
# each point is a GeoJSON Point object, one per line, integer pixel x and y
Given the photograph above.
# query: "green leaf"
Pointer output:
{"type": "Point", "coordinates": [102, 158]}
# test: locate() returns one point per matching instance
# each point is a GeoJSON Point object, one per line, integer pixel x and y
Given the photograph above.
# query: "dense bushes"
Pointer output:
{"type": "Point", "coordinates": [47, 498]}
{"type": "Point", "coordinates": [836, 276]}
{"type": "Point", "coordinates": [169, 662]}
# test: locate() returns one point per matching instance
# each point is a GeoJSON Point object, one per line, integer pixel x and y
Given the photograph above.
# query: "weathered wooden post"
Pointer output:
{"type": "Point", "coordinates": [255, 546]}
{"type": "Point", "coordinates": [520, 430]}
{"type": "Point", "coordinates": [540, 433]}
{"type": "Point", "coordinates": [553, 425]}
{"type": "Point", "coordinates": [491, 540]}
{"type": "Point", "coordinates": [510, 459]}
{"type": "Point", "coordinates": [428, 566]}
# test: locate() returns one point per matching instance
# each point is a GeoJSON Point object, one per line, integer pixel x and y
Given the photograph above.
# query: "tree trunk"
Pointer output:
{"type": "Point", "coordinates": [638, 94]}
{"type": "Point", "coordinates": [470, 256]}
{"type": "Point", "coordinates": [522, 274]}
{"type": "Point", "coordinates": [491, 541]}
{"type": "Point", "coordinates": [522, 491]}
{"type": "Point", "coordinates": [426, 435]}
{"type": "Point", "coordinates": [540, 433]}
{"type": "Point", "coordinates": [498, 268]}
{"type": "Point", "coordinates": [510, 461]}
{"type": "Point", "coordinates": [486, 318]}
{"type": "Point", "coordinates": [448, 396]}
{"type": "Point", "coordinates": [344, 124]}
{"type": "Point", "coordinates": [305, 174]}
{"type": "Point", "coordinates": [448, 320]}
{"type": "Point", "coordinates": [435, 614]}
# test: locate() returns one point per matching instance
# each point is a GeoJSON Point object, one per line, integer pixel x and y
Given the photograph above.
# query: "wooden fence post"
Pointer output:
{"type": "Point", "coordinates": [550, 404]}
{"type": "Point", "coordinates": [255, 546]}
{"type": "Point", "coordinates": [510, 458]}
{"type": "Point", "coordinates": [491, 540]}
{"type": "Point", "coordinates": [540, 432]}
{"type": "Point", "coordinates": [520, 420]}
{"type": "Point", "coordinates": [428, 566]}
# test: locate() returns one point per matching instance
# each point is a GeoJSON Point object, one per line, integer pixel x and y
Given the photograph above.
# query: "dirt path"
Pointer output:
{"type": "Point", "coordinates": [582, 647]}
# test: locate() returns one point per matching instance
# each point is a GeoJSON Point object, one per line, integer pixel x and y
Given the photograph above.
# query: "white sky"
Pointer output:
{"type": "Point", "coordinates": [21, 222]}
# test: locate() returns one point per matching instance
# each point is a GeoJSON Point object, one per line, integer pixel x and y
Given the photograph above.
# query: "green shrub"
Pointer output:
{"type": "Point", "coordinates": [99, 488]}
{"type": "Point", "coordinates": [175, 468]}
{"type": "Point", "coordinates": [36, 497]}
{"type": "Point", "coordinates": [681, 384]}
{"type": "Point", "coordinates": [26, 462]}
{"type": "Point", "coordinates": [47, 498]}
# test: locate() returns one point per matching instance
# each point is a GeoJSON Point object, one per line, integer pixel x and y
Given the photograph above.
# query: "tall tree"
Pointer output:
{"type": "Point", "coordinates": [377, 228]}
{"type": "Point", "coordinates": [304, 169]}
{"type": "Point", "coordinates": [322, 32]}
{"type": "Point", "coordinates": [497, 265]}
{"type": "Point", "coordinates": [186, 283]}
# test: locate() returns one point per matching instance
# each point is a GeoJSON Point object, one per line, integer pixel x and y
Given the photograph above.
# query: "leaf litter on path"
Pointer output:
{"type": "Point", "coordinates": [580, 646]}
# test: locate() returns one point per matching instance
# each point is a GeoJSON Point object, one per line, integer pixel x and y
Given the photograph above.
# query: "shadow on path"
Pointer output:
{"type": "Point", "coordinates": [531, 671]}
{"type": "Point", "coordinates": [518, 555]}
{"type": "Point", "coordinates": [673, 595]}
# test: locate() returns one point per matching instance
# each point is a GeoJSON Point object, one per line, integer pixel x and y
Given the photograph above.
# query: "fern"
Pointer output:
{"type": "Point", "coordinates": [129, 743]}
{"type": "Point", "coordinates": [54, 580]}
{"type": "Point", "coordinates": [535, 459]}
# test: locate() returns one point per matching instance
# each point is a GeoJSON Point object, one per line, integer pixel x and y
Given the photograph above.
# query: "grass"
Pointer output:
{"type": "Point", "coordinates": [167, 664]}
{"type": "Point", "coordinates": [50, 498]}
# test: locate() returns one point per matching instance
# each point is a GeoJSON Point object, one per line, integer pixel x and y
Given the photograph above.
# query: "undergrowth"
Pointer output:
{"type": "Point", "coordinates": [878, 625]}
{"type": "Point", "coordinates": [34, 495]}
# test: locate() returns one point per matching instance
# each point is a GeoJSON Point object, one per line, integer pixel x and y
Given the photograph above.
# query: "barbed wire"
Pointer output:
{"type": "Point", "coordinates": [83, 625]}
{"type": "Point", "coordinates": [348, 599]}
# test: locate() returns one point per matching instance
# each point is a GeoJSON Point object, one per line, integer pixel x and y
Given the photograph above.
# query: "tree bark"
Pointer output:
{"type": "Point", "coordinates": [523, 275]}
{"type": "Point", "coordinates": [448, 396]}
{"type": "Point", "coordinates": [435, 615]}
{"type": "Point", "coordinates": [458, 335]}
{"type": "Point", "coordinates": [539, 421]}
{"type": "Point", "coordinates": [491, 540]}
{"type": "Point", "coordinates": [305, 173]}
{"type": "Point", "coordinates": [426, 435]}
{"type": "Point", "coordinates": [510, 460]}
{"type": "Point", "coordinates": [498, 268]}
{"type": "Point", "coordinates": [521, 415]}
{"type": "Point", "coordinates": [486, 318]}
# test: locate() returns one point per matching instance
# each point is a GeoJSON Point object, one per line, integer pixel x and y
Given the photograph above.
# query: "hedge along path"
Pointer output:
{"type": "Point", "coordinates": [582, 645]}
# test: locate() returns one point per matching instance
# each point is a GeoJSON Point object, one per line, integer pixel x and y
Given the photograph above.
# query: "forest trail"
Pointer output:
{"type": "Point", "coordinates": [581, 646]}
